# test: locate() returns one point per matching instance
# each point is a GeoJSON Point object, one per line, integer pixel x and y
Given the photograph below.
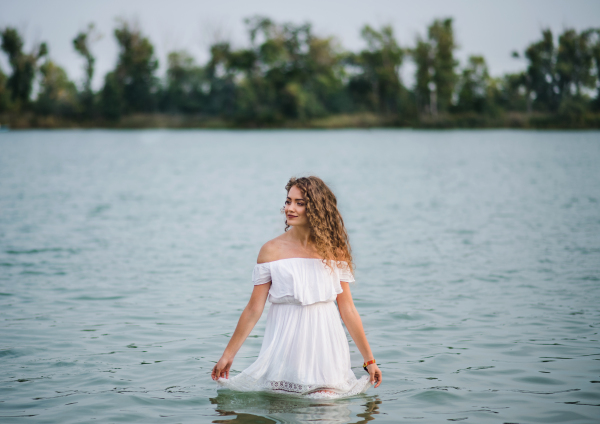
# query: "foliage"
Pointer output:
{"type": "Point", "coordinates": [435, 75]}
{"type": "Point", "coordinates": [135, 71]}
{"type": "Point", "coordinates": [58, 95]}
{"type": "Point", "coordinates": [81, 43]}
{"type": "Point", "coordinates": [474, 84]}
{"type": "Point", "coordinates": [24, 66]}
{"type": "Point", "coordinates": [513, 93]}
{"type": "Point", "coordinates": [441, 36]}
{"type": "Point", "coordinates": [377, 86]}
{"type": "Point", "coordinates": [112, 102]}
{"type": "Point", "coordinates": [541, 72]}
{"type": "Point", "coordinates": [5, 104]}
{"type": "Point", "coordinates": [422, 55]}
{"type": "Point", "coordinates": [594, 46]}
{"type": "Point", "coordinates": [186, 85]}
{"type": "Point", "coordinates": [288, 75]}
{"type": "Point", "coordinates": [558, 77]}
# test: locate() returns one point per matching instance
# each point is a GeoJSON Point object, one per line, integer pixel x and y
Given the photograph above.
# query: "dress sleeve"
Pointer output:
{"type": "Point", "coordinates": [345, 272]}
{"type": "Point", "coordinates": [261, 274]}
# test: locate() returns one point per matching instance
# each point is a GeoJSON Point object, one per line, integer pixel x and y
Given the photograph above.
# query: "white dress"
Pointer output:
{"type": "Point", "coordinates": [305, 350]}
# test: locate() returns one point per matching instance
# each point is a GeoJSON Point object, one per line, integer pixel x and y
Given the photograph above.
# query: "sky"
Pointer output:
{"type": "Point", "coordinates": [484, 27]}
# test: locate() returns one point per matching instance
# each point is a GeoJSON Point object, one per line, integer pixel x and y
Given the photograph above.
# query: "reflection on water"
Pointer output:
{"type": "Point", "coordinates": [255, 407]}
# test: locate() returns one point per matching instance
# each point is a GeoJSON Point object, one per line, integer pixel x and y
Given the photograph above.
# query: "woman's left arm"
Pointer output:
{"type": "Point", "coordinates": [354, 325]}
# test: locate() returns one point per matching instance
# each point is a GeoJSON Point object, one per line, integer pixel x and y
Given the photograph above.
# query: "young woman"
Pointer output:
{"type": "Point", "coordinates": [302, 272]}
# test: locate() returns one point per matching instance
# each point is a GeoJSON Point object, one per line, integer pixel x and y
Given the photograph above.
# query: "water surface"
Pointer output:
{"type": "Point", "coordinates": [126, 257]}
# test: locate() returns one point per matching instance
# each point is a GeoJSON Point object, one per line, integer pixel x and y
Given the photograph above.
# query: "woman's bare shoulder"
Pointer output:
{"type": "Point", "coordinates": [272, 250]}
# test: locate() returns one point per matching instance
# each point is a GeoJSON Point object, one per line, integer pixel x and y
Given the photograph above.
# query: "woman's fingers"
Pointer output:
{"type": "Point", "coordinates": [221, 369]}
{"type": "Point", "coordinates": [375, 375]}
{"type": "Point", "coordinates": [372, 369]}
{"type": "Point", "coordinates": [220, 373]}
{"type": "Point", "coordinates": [378, 377]}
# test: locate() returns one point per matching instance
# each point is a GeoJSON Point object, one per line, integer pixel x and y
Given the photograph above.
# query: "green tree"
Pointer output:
{"type": "Point", "coordinates": [81, 43]}
{"type": "Point", "coordinates": [58, 95]}
{"type": "Point", "coordinates": [423, 57]}
{"type": "Point", "coordinates": [186, 85]}
{"type": "Point", "coordinates": [5, 103]}
{"type": "Point", "coordinates": [111, 98]}
{"type": "Point", "coordinates": [221, 99]}
{"type": "Point", "coordinates": [574, 63]}
{"type": "Point", "coordinates": [24, 66]}
{"type": "Point", "coordinates": [283, 57]}
{"type": "Point", "coordinates": [135, 71]}
{"type": "Point", "coordinates": [473, 86]}
{"type": "Point", "coordinates": [286, 73]}
{"type": "Point", "coordinates": [325, 62]}
{"type": "Point", "coordinates": [379, 82]}
{"type": "Point", "coordinates": [541, 72]}
{"type": "Point", "coordinates": [559, 76]}
{"type": "Point", "coordinates": [594, 40]}
{"type": "Point", "coordinates": [513, 92]}
{"type": "Point", "coordinates": [435, 76]}
{"type": "Point", "coordinates": [441, 37]}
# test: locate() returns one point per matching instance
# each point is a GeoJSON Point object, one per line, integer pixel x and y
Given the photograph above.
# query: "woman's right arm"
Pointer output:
{"type": "Point", "coordinates": [246, 323]}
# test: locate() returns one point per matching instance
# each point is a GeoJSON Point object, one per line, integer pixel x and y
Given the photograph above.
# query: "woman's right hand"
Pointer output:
{"type": "Point", "coordinates": [246, 323]}
{"type": "Point", "coordinates": [221, 369]}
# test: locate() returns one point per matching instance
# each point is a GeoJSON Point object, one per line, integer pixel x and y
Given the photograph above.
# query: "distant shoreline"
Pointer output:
{"type": "Point", "coordinates": [513, 120]}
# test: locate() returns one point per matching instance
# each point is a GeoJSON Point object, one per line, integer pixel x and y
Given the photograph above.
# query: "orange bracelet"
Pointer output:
{"type": "Point", "coordinates": [366, 364]}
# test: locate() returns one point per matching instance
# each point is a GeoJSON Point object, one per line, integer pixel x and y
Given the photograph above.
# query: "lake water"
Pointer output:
{"type": "Point", "coordinates": [126, 257]}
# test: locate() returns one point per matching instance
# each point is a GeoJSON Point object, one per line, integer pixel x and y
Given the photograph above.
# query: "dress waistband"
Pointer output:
{"type": "Point", "coordinates": [291, 300]}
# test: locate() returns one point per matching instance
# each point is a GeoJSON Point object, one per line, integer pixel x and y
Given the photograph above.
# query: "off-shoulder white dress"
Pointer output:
{"type": "Point", "coordinates": [305, 350]}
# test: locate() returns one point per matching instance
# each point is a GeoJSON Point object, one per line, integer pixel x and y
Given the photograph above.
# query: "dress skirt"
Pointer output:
{"type": "Point", "coordinates": [304, 352]}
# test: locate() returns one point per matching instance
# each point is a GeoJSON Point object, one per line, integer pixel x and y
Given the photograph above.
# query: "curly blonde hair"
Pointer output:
{"type": "Point", "coordinates": [326, 223]}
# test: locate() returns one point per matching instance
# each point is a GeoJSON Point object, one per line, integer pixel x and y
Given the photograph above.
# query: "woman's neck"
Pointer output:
{"type": "Point", "coordinates": [301, 234]}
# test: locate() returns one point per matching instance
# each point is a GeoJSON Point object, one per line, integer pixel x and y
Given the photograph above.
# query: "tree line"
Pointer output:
{"type": "Point", "coordinates": [289, 74]}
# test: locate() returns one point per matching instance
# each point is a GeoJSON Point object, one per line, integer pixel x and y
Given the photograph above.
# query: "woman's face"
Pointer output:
{"type": "Point", "coordinates": [295, 208]}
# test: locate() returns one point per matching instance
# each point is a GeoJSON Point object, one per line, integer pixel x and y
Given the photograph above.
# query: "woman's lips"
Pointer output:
{"type": "Point", "coordinates": [292, 216]}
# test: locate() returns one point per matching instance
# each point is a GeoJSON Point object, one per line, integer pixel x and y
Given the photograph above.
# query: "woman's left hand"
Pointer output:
{"type": "Point", "coordinates": [374, 374]}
